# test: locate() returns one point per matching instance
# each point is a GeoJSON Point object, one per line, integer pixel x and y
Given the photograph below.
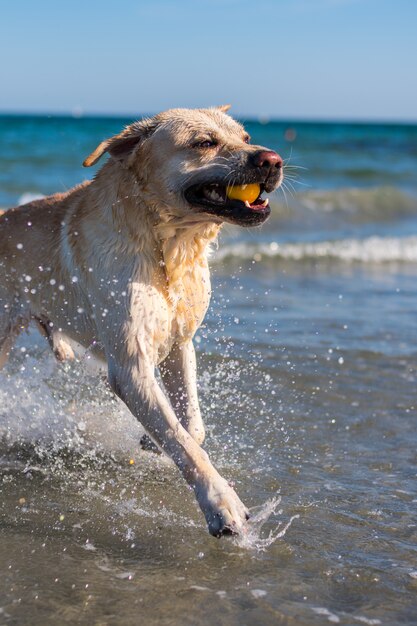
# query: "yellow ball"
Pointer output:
{"type": "Point", "coordinates": [243, 192]}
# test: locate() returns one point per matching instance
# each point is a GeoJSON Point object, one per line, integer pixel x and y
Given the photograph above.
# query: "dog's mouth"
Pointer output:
{"type": "Point", "coordinates": [240, 204]}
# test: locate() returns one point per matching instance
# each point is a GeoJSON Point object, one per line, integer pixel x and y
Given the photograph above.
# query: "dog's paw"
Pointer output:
{"type": "Point", "coordinates": [147, 444]}
{"type": "Point", "coordinates": [62, 350]}
{"type": "Point", "coordinates": [225, 513]}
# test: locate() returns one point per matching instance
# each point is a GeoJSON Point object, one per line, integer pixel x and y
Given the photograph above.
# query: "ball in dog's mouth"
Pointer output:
{"type": "Point", "coordinates": [241, 204]}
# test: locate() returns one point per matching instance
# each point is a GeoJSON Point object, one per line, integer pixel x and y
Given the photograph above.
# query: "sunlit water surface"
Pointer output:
{"type": "Point", "coordinates": [307, 376]}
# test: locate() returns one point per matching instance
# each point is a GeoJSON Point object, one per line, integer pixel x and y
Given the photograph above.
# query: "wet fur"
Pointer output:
{"type": "Point", "coordinates": [119, 265]}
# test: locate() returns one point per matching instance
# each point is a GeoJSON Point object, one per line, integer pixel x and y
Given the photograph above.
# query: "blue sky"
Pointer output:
{"type": "Point", "coordinates": [327, 59]}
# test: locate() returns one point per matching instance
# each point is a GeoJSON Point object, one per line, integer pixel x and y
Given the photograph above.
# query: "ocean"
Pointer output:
{"type": "Point", "coordinates": [307, 374]}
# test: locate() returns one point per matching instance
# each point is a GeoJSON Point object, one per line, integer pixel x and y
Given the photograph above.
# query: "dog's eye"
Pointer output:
{"type": "Point", "coordinates": [246, 139]}
{"type": "Point", "coordinates": [208, 143]}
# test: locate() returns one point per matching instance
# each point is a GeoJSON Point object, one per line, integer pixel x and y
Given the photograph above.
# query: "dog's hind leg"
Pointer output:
{"type": "Point", "coordinates": [8, 331]}
{"type": "Point", "coordinates": [178, 373]}
{"type": "Point", "coordinates": [6, 344]}
{"type": "Point", "coordinates": [59, 346]}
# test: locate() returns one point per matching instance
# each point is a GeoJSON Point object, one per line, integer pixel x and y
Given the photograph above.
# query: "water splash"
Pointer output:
{"type": "Point", "coordinates": [251, 538]}
{"type": "Point", "coordinates": [50, 412]}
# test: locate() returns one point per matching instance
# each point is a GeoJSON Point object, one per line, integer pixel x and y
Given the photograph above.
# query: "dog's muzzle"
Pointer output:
{"type": "Point", "coordinates": [263, 168]}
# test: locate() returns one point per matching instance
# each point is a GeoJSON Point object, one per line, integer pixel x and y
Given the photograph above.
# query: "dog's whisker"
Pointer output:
{"type": "Point", "coordinates": [296, 181]}
{"type": "Point", "coordinates": [289, 158]}
{"type": "Point", "coordinates": [289, 187]}
{"type": "Point", "coordinates": [294, 167]}
{"type": "Point", "coordinates": [282, 189]}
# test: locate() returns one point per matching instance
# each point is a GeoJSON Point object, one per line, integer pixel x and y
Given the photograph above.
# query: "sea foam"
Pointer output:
{"type": "Point", "coordinates": [369, 250]}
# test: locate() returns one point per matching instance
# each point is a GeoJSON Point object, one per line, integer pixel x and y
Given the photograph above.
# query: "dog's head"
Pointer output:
{"type": "Point", "coordinates": [198, 160]}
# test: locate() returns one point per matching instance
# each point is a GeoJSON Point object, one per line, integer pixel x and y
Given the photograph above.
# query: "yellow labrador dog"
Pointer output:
{"type": "Point", "coordinates": [119, 264]}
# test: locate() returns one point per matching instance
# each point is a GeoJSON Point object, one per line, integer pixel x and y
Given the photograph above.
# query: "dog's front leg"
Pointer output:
{"type": "Point", "coordinates": [133, 380]}
{"type": "Point", "coordinates": [178, 373]}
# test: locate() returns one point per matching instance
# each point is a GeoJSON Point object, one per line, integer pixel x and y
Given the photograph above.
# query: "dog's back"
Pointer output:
{"type": "Point", "coordinates": [31, 267]}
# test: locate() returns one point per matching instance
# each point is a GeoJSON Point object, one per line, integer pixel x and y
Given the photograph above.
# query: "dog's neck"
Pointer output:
{"type": "Point", "coordinates": [180, 243]}
{"type": "Point", "coordinates": [185, 242]}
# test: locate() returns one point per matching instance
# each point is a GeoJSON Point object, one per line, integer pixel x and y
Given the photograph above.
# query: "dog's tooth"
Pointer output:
{"type": "Point", "coordinates": [265, 202]}
{"type": "Point", "coordinates": [210, 194]}
{"type": "Point", "coordinates": [247, 204]}
{"type": "Point", "coordinates": [214, 195]}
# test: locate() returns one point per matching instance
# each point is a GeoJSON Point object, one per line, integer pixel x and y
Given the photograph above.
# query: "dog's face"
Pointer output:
{"type": "Point", "coordinates": [193, 159]}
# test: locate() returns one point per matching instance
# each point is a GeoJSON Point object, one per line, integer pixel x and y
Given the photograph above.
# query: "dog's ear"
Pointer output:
{"type": "Point", "coordinates": [123, 144]}
{"type": "Point", "coordinates": [224, 107]}
{"type": "Point", "coordinates": [116, 146]}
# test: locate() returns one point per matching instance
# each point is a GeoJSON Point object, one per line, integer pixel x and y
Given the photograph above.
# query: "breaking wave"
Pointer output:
{"type": "Point", "coordinates": [29, 196]}
{"type": "Point", "coordinates": [374, 203]}
{"type": "Point", "coordinates": [369, 250]}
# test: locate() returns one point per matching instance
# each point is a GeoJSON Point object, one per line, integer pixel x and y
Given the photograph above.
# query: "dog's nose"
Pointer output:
{"type": "Point", "coordinates": [266, 158]}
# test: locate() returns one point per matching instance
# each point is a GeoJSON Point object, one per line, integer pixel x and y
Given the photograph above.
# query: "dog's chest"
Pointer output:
{"type": "Point", "coordinates": [185, 305]}
{"type": "Point", "coordinates": [190, 301]}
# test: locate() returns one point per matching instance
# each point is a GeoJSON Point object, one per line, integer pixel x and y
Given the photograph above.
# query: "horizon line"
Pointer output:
{"type": "Point", "coordinates": [261, 118]}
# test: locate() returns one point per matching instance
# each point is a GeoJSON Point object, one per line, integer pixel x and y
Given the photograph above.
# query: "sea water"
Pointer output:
{"type": "Point", "coordinates": [307, 379]}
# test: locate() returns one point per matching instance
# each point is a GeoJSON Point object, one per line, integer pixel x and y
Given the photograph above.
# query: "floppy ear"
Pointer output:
{"type": "Point", "coordinates": [124, 143]}
{"type": "Point", "coordinates": [224, 107]}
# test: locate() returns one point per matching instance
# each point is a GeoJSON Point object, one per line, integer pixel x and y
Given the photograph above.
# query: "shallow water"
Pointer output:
{"type": "Point", "coordinates": [307, 375]}
{"type": "Point", "coordinates": [322, 416]}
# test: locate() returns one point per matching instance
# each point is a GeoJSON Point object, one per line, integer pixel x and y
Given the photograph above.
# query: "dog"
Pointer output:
{"type": "Point", "coordinates": [119, 264]}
